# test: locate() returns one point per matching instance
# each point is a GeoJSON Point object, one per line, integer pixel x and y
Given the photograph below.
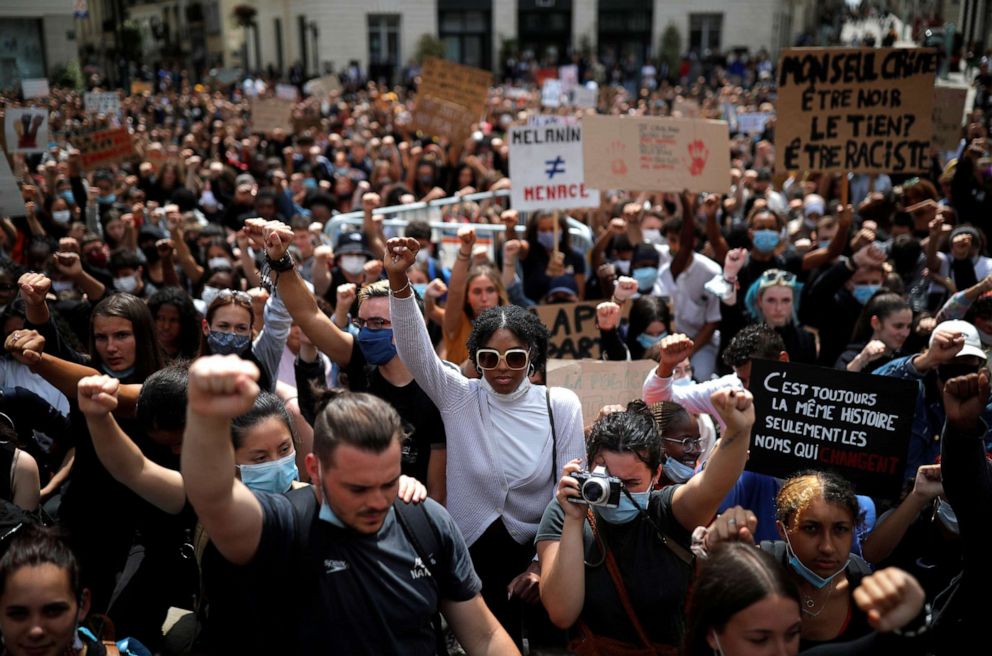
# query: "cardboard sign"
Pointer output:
{"type": "Point", "coordinates": [582, 97]}
{"type": "Point", "coordinates": [102, 148]}
{"type": "Point", "coordinates": [651, 153]}
{"type": "Point", "coordinates": [599, 382]}
{"type": "Point", "coordinates": [551, 92]}
{"type": "Point", "coordinates": [572, 328]}
{"type": "Point", "coordinates": [11, 201]}
{"type": "Point", "coordinates": [825, 419]}
{"type": "Point", "coordinates": [34, 88]}
{"type": "Point", "coordinates": [322, 86]}
{"type": "Point", "coordinates": [287, 92]}
{"type": "Point", "coordinates": [948, 116]}
{"type": "Point", "coordinates": [546, 168]}
{"type": "Point", "coordinates": [268, 114]}
{"type": "Point", "coordinates": [102, 102]}
{"type": "Point", "coordinates": [139, 87]}
{"type": "Point", "coordinates": [752, 122]}
{"type": "Point", "coordinates": [226, 76]}
{"type": "Point", "coordinates": [863, 110]}
{"type": "Point", "coordinates": [569, 77]}
{"type": "Point", "coordinates": [447, 88]}
{"type": "Point", "coordinates": [26, 129]}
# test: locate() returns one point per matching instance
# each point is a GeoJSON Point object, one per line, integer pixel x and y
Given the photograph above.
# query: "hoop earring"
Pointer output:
{"type": "Point", "coordinates": [531, 371]}
{"type": "Point", "coordinates": [478, 370]}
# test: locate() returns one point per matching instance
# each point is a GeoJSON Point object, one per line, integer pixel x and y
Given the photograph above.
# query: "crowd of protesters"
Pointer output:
{"type": "Point", "coordinates": [231, 429]}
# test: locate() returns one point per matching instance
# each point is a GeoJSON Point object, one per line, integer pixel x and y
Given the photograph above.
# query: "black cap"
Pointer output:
{"type": "Point", "coordinates": [352, 242]}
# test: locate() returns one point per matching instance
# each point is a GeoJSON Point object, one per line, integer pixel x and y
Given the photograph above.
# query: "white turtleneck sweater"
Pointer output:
{"type": "Point", "coordinates": [499, 445]}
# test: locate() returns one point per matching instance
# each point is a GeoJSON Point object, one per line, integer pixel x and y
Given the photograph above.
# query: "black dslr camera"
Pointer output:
{"type": "Point", "coordinates": [597, 488]}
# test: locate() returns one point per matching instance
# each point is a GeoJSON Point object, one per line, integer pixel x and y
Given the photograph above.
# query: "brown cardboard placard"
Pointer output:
{"type": "Point", "coordinates": [600, 382]}
{"type": "Point", "coordinates": [268, 114]}
{"type": "Point", "coordinates": [862, 110]}
{"type": "Point", "coordinates": [450, 97]}
{"type": "Point", "coordinates": [948, 116]}
{"type": "Point", "coordinates": [653, 153]}
{"type": "Point", "coordinates": [104, 147]}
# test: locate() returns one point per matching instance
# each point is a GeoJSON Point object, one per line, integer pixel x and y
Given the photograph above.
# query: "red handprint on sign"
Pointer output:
{"type": "Point", "coordinates": [618, 167]}
{"type": "Point", "coordinates": [698, 154]}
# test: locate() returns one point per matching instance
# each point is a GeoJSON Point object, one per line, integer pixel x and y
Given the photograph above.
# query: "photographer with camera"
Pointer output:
{"type": "Point", "coordinates": [613, 550]}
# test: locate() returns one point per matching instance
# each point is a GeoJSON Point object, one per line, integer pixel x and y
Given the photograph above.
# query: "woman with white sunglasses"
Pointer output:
{"type": "Point", "coordinates": [508, 439]}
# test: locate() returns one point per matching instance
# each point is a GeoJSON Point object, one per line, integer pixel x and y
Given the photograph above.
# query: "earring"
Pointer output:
{"type": "Point", "coordinates": [531, 371]}
{"type": "Point", "coordinates": [478, 369]}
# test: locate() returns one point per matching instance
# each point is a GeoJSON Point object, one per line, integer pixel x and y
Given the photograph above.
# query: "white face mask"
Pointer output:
{"type": "Point", "coordinates": [126, 284]}
{"type": "Point", "coordinates": [64, 285]}
{"type": "Point", "coordinates": [353, 264]}
{"type": "Point", "coordinates": [652, 236]}
{"type": "Point", "coordinates": [219, 263]}
{"type": "Point", "coordinates": [61, 216]}
{"type": "Point", "coordinates": [423, 256]}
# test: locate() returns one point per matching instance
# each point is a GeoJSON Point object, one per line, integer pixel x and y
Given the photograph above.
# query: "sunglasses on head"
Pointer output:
{"type": "Point", "coordinates": [237, 295]}
{"type": "Point", "coordinates": [515, 359]}
{"type": "Point", "coordinates": [777, 277]}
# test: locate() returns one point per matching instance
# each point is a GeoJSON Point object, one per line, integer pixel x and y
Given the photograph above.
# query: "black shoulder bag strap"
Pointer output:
{"type": "Point", "coordinates": [427, 543]}
{"type": "Point", "coordinates": [554, 437]}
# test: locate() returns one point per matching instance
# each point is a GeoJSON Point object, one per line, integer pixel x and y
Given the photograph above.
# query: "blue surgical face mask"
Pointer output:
{"type": "Point", "coordinates": [811, 577]}
{"type": "Point", "coordinates": [824, 244]}
{"type": "Point", "coordinates": [377, 345]}
{"type": "Point", "coordinates": [119, 375]}
{"type": "Point", "coordinates": [677, 471]}
{"type": "Point", "coordinates": [275, 476]}
{"type": "Point", "coordinates": [326, 514]}
{"type": "Point", "coordinates": [109, 199]}
{"type": "Point", "coordinates": [68, 196]}
{"type": "Point", "coordinates": [61, 216]}
{"type": "Point", "coordinates": [420, 287]}
{"type": "Point", "coordinates": [628, 509]}
{"type": "Point", "coordinates": [647, 341]}
{"type": "Point", "coordinates": [546, 239]}
{"type": "Point", "coordinates": [646, 277]}
{"type": "Point", "coordinates": [227, 343]}
{"type": "Point", "coordinates": [766, 240]}
{"type": "Point", "coordinates": [864, 292]}
{"type": "Point", "coordinates": [309, 183]}
{"type": "Point", "coordinates": [682, 382]}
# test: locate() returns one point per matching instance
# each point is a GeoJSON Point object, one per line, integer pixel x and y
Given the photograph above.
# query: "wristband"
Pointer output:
{"type": "Point", "coordinates": [405, 287]}
{"type": "Point", "coordinates": [917, 626]}
{"type": "Point", "coordinates": [283, 264]}
{"type": "Point", "coordinates": [462, 256]}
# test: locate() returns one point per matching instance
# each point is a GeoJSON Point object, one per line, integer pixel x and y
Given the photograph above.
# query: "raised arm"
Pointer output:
{"type": "Point", "coordinates": [822, 256]}
{"type": "Point", "coordinates": [713, 232]}
{"type": "Point", "coordinates": [891, 529]}
{"type": "Point", "coordinates": [220, 388]}
{"type": "Point", "coordinates": [453, 311]}
{"type": "Point", "coordinates": [276, 238]}
{"type": "Point", "coordinates": [695, 502]}
{"type": "Point", "coordinates": [155, 484]}
{"type": "Point", "coordinates": [371, 227]}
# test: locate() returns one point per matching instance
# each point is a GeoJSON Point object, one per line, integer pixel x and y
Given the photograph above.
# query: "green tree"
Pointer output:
{"type": "Point", "coordinates": [428, 46]}
{"type": "Point", "coordinates": [670, 51]}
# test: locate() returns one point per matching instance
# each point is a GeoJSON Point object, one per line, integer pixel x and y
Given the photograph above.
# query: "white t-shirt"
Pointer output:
{"type": "Point", "coordinates": [694, 306]}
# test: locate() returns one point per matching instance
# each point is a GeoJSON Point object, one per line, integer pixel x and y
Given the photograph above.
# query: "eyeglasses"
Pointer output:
{"type": "Point", "coordinates": [690, 444]}
{"type": "Point", "coordinates": [237, 295]}
{"type": "Point", "coordinates": [373, 323]}
{"type": "Point", "coordinates": [777, 277]}
{"type": "Point", "coordinates": [515, 359]}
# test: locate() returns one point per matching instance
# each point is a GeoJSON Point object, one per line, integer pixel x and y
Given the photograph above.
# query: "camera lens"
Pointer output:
{"type": "Point", "coordinates": [594, 490]}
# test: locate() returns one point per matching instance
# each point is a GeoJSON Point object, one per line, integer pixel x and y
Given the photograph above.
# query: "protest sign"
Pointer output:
{"type": "Point", "coordinates": [450, 97]}
{"type": "Point", "coordinates": [551, 93]}
{"type": "Point", "coordinates": [104, 147]}
{"type": "Point", "coordinates": [102, 102]}
{"type": "Point", "coordinates": [34, 88]}
{"type": "Point", "coordinates": [546, 73]}
{"type": "Point", "coordinates": [139, 87]}
{"type": "Point", "coordinates": [862, 110]}
{"type": "Point", "coordinates": [569, 77]}
{"type": "Point", "coordinates": [11, 201]}
{"type": "Point", "coordinates": [226, 76]}
{"type": "Point", "coordinates": [546, 168]}
{"type": "Point", "coordinates": [752, 122]}
{"type": "Point", "coordinates": [322, 86]}
{"type": "Point", "coordinates": [816, 418]}
{"type": "Point", "coordinates": [572, 329]}
{"type": "Point", "coordinates": [287, 92]}
{"type": "Point", "coordinates": [26, 129]}
{"type": "Point", "coordinates": [599, 382]}
{"type": "Point", "coordinates": [651, 153]}
{"type": "Point", "coordinates": [268, 114]}
{"type": "Point", "coordinates": [582, 97]}
{"type": "Point", "coordinates": [948, 116]}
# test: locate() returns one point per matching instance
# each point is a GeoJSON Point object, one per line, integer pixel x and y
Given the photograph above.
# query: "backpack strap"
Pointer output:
{"type": "Point", "coordinates": [417, 527]}
{"type": "Point", "coordinates": [554, 437]}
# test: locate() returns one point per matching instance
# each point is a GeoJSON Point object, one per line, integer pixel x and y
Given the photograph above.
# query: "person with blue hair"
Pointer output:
{"type": "Point", "coordinates": [774, 299]}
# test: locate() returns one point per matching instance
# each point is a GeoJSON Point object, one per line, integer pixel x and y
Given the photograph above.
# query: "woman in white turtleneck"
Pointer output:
{"type": "Point", "coordinates": [507, 438]}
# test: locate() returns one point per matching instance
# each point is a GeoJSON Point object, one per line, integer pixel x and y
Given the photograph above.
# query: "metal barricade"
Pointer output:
{"type": "Point", "coordinates": [397, 217]}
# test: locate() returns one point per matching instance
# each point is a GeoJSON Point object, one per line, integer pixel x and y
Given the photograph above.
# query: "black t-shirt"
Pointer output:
{"type": "Point", "coordinates": [332, 590]}
{"type": "Point", "coordinates": [415, 408]}
{"type": "Point", "coordinates": [656, 579]}
{"type": "Point", "coordinates": [537, 283]}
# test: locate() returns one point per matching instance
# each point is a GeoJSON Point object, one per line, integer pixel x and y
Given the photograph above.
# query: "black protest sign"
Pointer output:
{"type": "Point", "coordinates": [855, 424]}
{"type": "Point", "coordinates": [864, 110]}
{"type": "Point", "coordinates": [572, 329]}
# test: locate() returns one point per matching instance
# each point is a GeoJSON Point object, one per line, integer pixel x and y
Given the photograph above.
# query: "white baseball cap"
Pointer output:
{"type": "Point", "coordinates": [972, 342]}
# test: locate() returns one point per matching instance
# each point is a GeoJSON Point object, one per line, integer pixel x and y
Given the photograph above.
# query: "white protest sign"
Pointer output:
{"type": "Point", "coordinates": [551, 93]}
{"type": "Point", "coordinates": [569, 77]}
{"type": "Point", "coordinates": [11, 202]}
{"type": "Point", "coordinates": [26, 129]}
{"type": "Point", "coordinates": [546, 167]}
{"type": "Point", "coordinates": [752, 122]}
{"type": "Point", "coordinates": [582, 97]}
{"type": "Point", "coordinates": [102, 102]}
{"type": "Point", "coordinates": [34, 88]}
{"type": "Point", "coordinates": [287, 92]}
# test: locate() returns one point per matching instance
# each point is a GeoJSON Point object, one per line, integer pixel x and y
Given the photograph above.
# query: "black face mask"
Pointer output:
{"type": "Point", "coordinates": [945, 372]}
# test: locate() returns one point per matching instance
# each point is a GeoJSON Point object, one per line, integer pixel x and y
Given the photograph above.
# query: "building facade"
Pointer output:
{"type": "Point", "coordinates": [37, 38]}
